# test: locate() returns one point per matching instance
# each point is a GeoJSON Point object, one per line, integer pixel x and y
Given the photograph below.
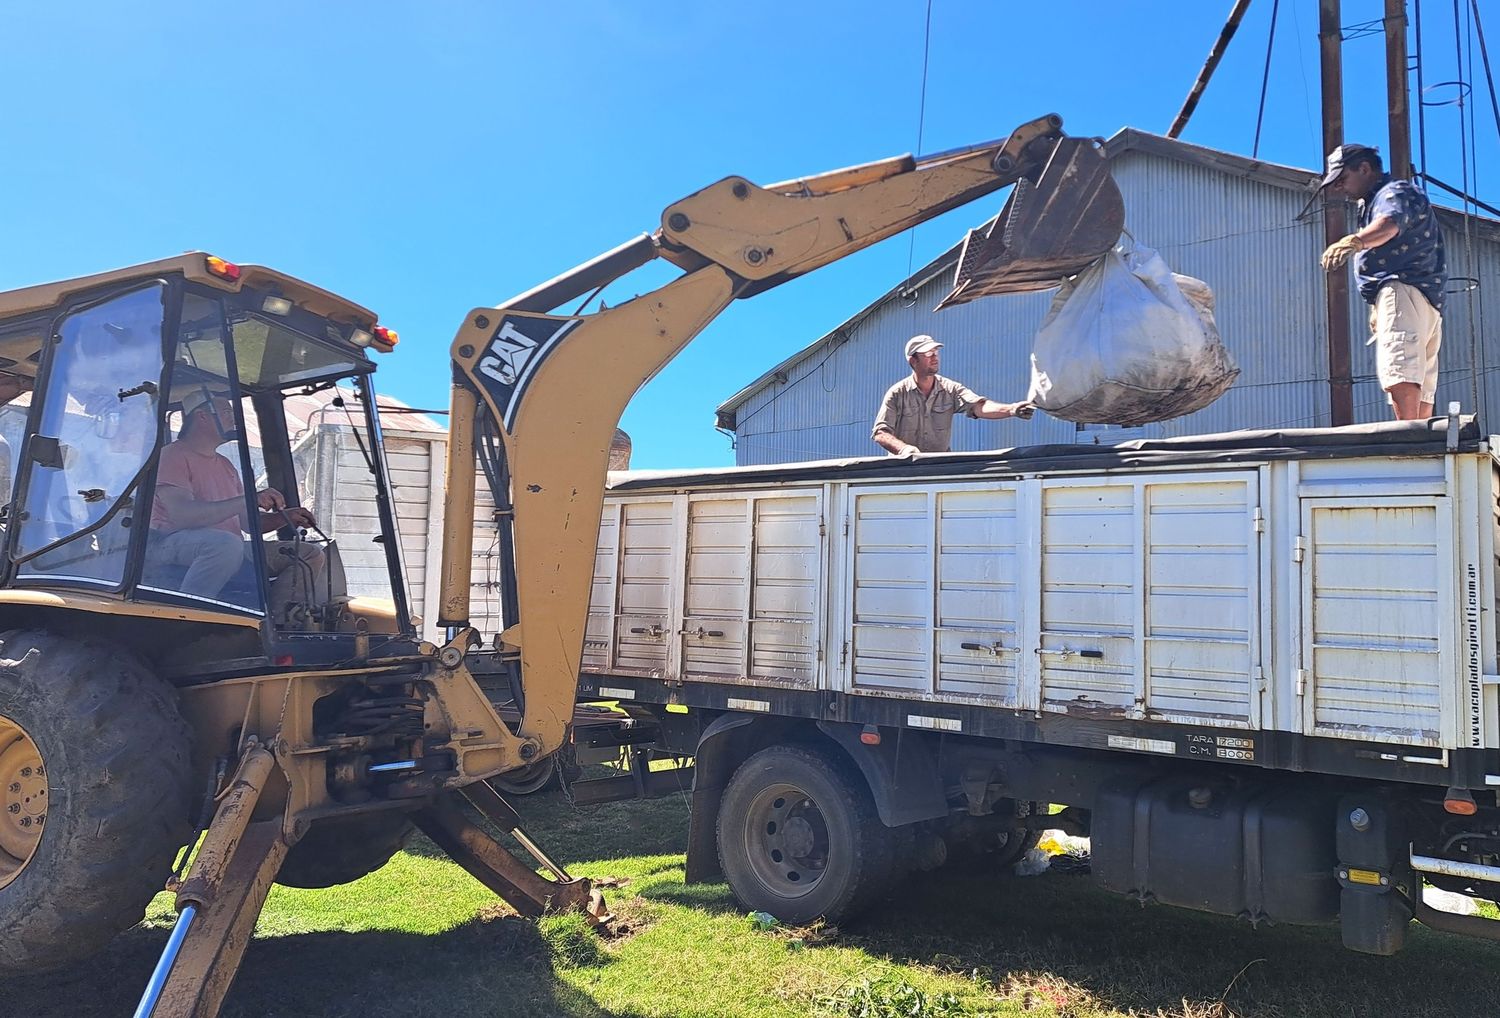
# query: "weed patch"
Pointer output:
{"type": "Point", "coordinates": [889, 996]}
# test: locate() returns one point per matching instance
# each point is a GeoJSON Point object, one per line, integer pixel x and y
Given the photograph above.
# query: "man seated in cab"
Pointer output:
{"type": "Point", "coordinates": [198, 517]}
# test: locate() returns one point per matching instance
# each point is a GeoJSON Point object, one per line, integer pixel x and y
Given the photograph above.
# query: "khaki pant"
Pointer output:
{"type": "Point", "coordinates": [212, 557]}
{"type": "Point", "coordinates": [1407, 332]}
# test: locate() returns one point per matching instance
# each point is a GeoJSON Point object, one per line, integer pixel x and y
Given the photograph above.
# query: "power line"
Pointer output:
{"type": "Point", "coordinates": [1265, 80]}
{"type": "Point", "coordinates": [1489, 77]}
{"type": "Point", "coordinates": [1465, 137]}
{"type": "Point", "coordinates": [911, 249]}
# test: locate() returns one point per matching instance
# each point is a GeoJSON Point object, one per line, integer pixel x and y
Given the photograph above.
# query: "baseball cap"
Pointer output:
{"type": "Point", "coordinates": [1342, 157]}
{"type": "Point", "coordinates": [197, 397]}
{"type": "Point", "coordinates": [920, 344]}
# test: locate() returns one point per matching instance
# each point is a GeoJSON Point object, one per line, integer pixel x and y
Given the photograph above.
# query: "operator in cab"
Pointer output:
{"type": "Point", "coordinates": [917, 412]}
{"type": "Point", "coordinates": [198, 517]}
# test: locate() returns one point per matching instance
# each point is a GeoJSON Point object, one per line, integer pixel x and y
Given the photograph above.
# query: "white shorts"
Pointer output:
{"type": "Point", "coordinates": [1407, 332]}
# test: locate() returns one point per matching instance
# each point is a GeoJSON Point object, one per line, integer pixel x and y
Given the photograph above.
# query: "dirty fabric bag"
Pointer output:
{"type": "Point", "coordinates": [1127, 341]}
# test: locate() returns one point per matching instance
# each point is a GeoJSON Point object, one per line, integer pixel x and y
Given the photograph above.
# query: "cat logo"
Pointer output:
{"type": "Point", "coordinates": [508, 353]}
{"type": "Point", "coordinates": [514, 353]}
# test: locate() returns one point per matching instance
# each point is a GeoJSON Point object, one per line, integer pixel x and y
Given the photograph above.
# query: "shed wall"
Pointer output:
{"type": "Point", "coordinates": [1237, 233]}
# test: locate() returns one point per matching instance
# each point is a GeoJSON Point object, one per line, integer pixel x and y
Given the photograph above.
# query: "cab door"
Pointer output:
{"type": "Point", "coordinates": [94, 428]}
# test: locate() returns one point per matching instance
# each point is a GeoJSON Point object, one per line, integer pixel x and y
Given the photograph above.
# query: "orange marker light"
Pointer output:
{"type": "Point", "coordinates": [870, 735]}
{"type": "Point", "coordinates": [385, 336]}
{"type": "Point", "coordinates": [1460, 802]}
{"type": "Point", "coordinates": [223, 269]}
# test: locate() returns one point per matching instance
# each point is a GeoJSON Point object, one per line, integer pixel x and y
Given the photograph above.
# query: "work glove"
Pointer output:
{"type": "Point", "coordinates": [1339, 251]}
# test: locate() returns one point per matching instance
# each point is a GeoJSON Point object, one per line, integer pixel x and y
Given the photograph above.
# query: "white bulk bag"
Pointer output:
{"type": "Point", "coordinates": [1127, 341]}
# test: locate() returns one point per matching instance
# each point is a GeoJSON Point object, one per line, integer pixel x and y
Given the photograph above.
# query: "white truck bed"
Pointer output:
{"type": "Point", "coordinates": [1334, 583]}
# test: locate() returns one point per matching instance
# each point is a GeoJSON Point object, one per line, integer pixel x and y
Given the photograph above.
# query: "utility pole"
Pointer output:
{"type": "Point", "coordinates": [1340, 384]}
{"type": "Point", "coordinates": [1396, 89]}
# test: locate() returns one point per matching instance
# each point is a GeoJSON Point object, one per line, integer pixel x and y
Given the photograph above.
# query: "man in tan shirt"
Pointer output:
{"type": "Point", "coordinates": [917, 412]}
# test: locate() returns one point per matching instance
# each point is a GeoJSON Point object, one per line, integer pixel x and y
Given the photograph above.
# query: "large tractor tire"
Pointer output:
{"type": "Point", "coordinates": [336, 852]}
{"type": "Point", "coordinates": [799, 836]}
{"type": "Point", "coordinates": [96, 795]}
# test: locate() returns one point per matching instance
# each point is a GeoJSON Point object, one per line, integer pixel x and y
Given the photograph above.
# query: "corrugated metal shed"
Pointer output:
{"type": "Point", "coordinates": [1225, 219]}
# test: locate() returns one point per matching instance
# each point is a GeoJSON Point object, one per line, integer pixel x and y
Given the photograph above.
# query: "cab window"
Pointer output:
{"type": "Point", "coordinates": [94, 434]}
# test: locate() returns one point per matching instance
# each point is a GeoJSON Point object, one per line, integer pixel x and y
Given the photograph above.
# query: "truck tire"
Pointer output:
{"type": "Point", "coordinates": [338, 851]}
{"type": "Point", "coordinates": [799, 836]}
{"type": "Point", "coordinates": [96, 795]}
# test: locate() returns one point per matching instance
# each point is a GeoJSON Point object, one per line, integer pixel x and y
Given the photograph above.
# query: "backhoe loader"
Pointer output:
{"type": "Point", "coordinates": [182, 666]}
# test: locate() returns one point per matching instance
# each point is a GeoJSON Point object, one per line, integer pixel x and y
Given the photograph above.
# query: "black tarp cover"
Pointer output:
{"type": "Point", "coordinates": [1385, 439]}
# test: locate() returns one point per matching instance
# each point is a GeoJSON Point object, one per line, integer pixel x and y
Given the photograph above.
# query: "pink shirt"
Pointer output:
{"type": "Point", "coordinates": [210, 478]}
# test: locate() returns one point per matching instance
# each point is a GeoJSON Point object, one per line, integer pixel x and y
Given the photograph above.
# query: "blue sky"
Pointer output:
{"type": "Point", "coordinates": [425, 159]}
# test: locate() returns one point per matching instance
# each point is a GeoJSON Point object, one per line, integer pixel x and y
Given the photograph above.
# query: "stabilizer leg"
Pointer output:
{"type": "Point", "coordinates": [219, 901]}
{"type": "Point", "coordinates": [472, 847]}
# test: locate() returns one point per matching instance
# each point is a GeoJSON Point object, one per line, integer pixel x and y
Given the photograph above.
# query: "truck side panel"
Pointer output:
{"type": "Point", "coordinates": [1319, 598]}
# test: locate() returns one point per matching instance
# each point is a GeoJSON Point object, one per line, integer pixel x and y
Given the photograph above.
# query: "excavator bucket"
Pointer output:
{"type": "Point", "coordinates": [1051, 228]}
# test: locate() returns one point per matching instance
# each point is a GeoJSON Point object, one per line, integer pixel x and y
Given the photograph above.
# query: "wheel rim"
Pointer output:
{"type": "Point", "coordinates": [23, 799]}
{"type": "Point", "coordinates": [786, 840]}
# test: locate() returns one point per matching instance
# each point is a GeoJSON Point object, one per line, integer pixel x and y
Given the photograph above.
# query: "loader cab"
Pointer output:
{"type": "Point", "coordinates": [151, 462]}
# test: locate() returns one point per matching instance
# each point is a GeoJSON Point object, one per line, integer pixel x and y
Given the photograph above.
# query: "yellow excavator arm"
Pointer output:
{"type": "Point", "coordinates": [538, 396]}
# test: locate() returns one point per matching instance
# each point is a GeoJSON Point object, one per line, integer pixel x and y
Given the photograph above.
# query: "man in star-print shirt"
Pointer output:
{"type": "Point", "coordinates": [1402, 271]}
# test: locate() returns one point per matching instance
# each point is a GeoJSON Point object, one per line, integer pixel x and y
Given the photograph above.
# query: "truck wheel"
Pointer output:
{"type": "Point", "coordinates": [799, 836]}
{"type": "Point", "coordinates": [338, 851]}
{"type": "Point", "coordinates": [95, 795]}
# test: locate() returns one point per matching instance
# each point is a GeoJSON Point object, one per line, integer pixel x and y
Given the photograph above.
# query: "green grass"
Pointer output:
{"type": "Point", "coordinates": [420, 937]}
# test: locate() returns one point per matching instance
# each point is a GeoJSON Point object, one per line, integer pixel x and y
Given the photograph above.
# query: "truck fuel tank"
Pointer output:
{"type": "Point", "coordinates": [1258, 851]}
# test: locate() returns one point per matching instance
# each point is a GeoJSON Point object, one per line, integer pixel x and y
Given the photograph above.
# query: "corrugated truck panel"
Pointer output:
{"type": "Point", "coordinates": [642, 619]}
{"type": "Point", "coordinates": [786, 597]}
{"type": "Point", "coordinates": [1343, 598]}
{"type": "Point", "coordinates": [1201, 599]}
{"type": "Point", "coordinates": [1089, 595]}
{"type": "Point", "coordinates": [892, 591]}
{"type": "Point", "coordinates": [1374, 632]}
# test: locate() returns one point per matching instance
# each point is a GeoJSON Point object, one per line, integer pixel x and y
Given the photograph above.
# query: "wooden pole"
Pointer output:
{"type": "Point", "coordinates": [1335, 222]}
{"type": "Point", "coordinates": [1397, 93]}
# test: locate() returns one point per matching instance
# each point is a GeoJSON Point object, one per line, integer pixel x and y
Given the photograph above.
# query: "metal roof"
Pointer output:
{"type": "Point", "coordinates": [1125, 140]}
